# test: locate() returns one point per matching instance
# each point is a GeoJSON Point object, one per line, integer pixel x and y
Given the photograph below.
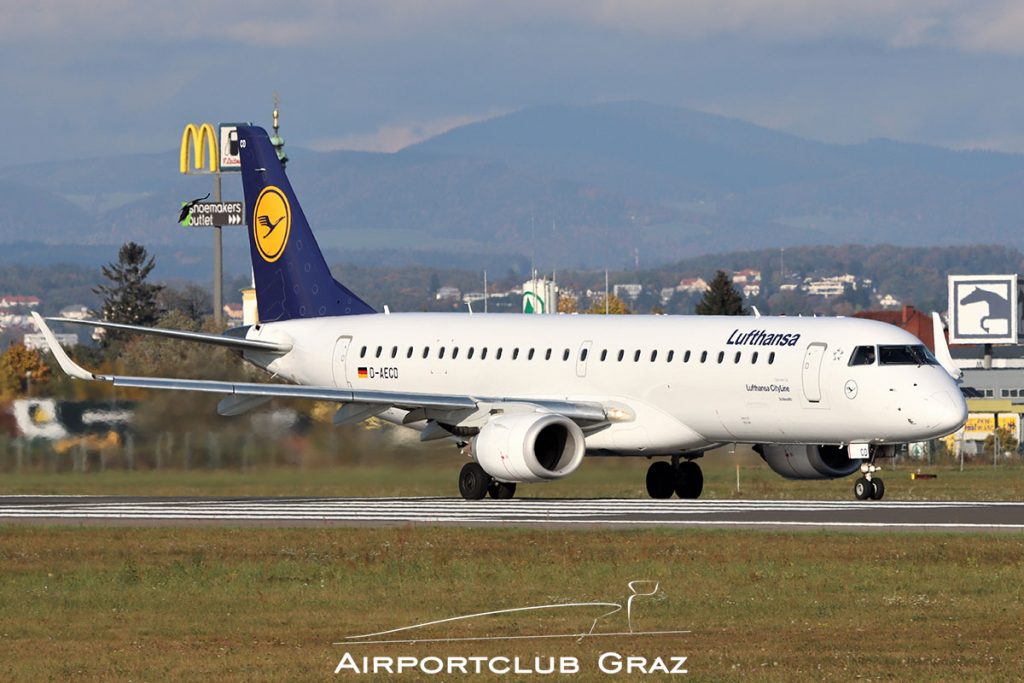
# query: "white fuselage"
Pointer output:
{"type": "Point", "coordinates": [685, 382]}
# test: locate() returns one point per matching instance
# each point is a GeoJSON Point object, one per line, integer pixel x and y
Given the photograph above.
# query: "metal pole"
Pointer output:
{"type": "Point", "coordinates": [606, 302]}
{"type": "Point", "coordinates": [218, 262]}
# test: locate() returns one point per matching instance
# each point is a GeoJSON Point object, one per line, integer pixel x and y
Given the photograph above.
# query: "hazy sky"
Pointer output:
{"type": "Point", "coordinates": [110, 76]}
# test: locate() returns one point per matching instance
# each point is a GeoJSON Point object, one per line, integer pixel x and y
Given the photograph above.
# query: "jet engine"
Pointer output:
{"type": "Point", "coordinates": [529, 447]}
{"type": "Point", "coordinates": [798, 461]}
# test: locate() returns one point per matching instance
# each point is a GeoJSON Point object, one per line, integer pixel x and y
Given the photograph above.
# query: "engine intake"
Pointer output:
{"type": "Point", "coordinates": [798, 461]}
{"type": "Point", "coordinates": [529, 447]}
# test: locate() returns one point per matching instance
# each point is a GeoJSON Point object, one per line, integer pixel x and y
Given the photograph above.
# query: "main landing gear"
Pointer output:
{"type": "Point", "coordinates": [681, 478]}
{"type": "Point", "coordinates": [869, 486]}
{"type": "Point", "coordinates": [475, 484]}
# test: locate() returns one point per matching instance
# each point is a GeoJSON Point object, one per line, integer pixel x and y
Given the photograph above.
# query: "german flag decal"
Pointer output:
{"type": "Point", "coordinates": [363, 374]}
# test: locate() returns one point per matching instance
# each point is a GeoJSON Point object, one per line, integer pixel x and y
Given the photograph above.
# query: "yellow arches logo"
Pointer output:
{"type": "Point", "coordinates": [271, 223]}
{"type": "Point", "coordinates": [194, 137]}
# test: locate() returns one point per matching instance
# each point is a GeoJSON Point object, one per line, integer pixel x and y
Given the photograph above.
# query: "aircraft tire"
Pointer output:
{"type": "Point", "coordinates": [689, 480]}
{"type": "Point", "coordinates": [473, 481]}
{"type": "Point", "coordinates": [661, 480]}
{"type": "Point", "coordinates": [862, 489]}
{"type": "Point", "coordinates": [500, 490]}
{"type": "Point", "coordinates": [877, 489]}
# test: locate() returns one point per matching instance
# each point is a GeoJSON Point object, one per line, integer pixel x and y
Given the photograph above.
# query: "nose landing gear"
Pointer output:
{"type": "Point", "coordinates": [869, 486]}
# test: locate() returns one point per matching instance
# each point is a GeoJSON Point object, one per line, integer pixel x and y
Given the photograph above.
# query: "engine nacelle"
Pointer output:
{"type": "Point", "coordinates": [797, 461]}
{"type": "Point", "coordinates": [529, 447]}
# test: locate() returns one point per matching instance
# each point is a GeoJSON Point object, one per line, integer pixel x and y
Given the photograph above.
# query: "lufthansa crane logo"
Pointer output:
{"type": "Point", "coordinates": [271, 224]}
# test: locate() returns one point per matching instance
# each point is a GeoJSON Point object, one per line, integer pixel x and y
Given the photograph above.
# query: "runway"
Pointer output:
{"type": "Point", "coordinates": [525, 512]}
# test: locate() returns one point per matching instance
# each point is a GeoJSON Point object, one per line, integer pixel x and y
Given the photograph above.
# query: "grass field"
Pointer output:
{"type": "Point", "coordinates": [433, 473]}
{"type": "Point", "coordinates": [169, 604]}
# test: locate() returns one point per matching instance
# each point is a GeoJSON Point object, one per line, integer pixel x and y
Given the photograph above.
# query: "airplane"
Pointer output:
{"type": "Point", "coordinates": [527, 397]}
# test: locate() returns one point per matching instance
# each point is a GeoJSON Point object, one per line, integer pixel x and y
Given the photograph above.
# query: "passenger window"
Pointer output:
{"type": "Point", "coordinates": [483, 353]}
{"type": "Point", "coordinates": [771, 358]}
{"type": "Point", "coordinates": [583, 355]}
{"type": "Point", "coordinates": [497, 355]}
{"type": "Point", "coordinates": [426, 351]}
{"type": "Point", "coordinates": [654, 356]}
{"type": "Point", "coordinates": [863, 355]}
{"type": "Point", "coordinates": [686, 357]}
{"type": "Point", "coordinates": [362, 352]}
{"type": "Point", "coordinates": [455, 353]}
{"type": "Point", "coordinates": [469, 354]}
{"type": "Point", "coordinates": [721, 356]}
{"type": "Point", "coordinates": [703, 356]}
{"type": "Point", "coordinates": [753, 358]}
{"type": "Point", "coordinates": [379, 350]}
{"type": "Point", "coordinates": [529, 356]}
{"type": "Point", "coordinates": [394, 352]}
{"type": "Point", "coordinates": [621, 355]}
{"type": "Point", "coordinates": [515, 353]}
{"type": "Point", "coordinates": [565, 355]}
{"type": "Point", "coordinates": [440, 352]}
{"type": "Point", "coordinates": [408, 353]}
{"type": "Point", "coordinates": [636, 356]}
{"type": "Point", "coordinates": [671, 355]}
{"type": "Point", "coordinates": [738, 354]}
{"type": "Point", "coordinates": [604, 354]}
{"type": "Point", "coordinates": [1013, 393]}
{"type": "Point", "coordinates": [1004, 393]}
{"type": "Point", "coordinates": [547, 355]}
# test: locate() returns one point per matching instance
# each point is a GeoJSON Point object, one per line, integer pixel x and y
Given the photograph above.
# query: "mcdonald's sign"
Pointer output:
{"type": "Point", "coordinates": [201, 138]}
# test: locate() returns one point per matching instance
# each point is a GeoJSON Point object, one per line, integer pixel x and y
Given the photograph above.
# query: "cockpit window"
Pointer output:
{"type": "Point", "coordinates": [863, 355]}
{"type": "Point", "coordinates": [906, 355]}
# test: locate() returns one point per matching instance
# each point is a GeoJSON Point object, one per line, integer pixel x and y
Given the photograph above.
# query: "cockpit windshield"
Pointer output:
{"type": "Point", "coordinates": [863, 355]}
{"type": "Point", "coordinates": [917, 354]}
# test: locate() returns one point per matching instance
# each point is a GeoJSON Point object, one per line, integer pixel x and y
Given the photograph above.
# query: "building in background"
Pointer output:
{"type": "Point", "coordinates": [540, 295]}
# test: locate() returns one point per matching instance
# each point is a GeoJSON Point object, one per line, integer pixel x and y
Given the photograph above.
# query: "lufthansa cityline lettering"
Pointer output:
{"type": "Point", "coordinates": [762, 338]}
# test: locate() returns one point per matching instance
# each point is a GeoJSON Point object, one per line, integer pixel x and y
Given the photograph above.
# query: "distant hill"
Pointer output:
{"type": "Point", "coordinates": [561, 186]}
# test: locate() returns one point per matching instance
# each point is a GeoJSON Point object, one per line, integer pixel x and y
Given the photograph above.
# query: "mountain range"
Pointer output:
{"type": "Point", "coordinates": [609, 184]}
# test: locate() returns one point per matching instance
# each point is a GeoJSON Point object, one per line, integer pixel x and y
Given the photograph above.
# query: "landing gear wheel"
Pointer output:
{"type": "Point", "coordinates": [661, 480]}
{"type": "Point", "coordinates": [862, 488]}
{"type": "Point", "coordinates": [689, 480]}
{"type": "Point", "coordinates": [473, 481]}
{"type": "Point", "coordinates": [500, 490]}
{"type": "Point", "coordinates": [877, 489]}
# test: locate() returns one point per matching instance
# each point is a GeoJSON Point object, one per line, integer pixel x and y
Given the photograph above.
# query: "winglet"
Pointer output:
{"type": "Point", "coordinates": [66, 364]}
{"type": "Point", "coordinates": [942, 353]}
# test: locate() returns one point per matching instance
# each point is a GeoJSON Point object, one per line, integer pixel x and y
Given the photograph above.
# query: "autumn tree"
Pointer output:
{"type": "Point", "coordinates": [721, 298]}
{"type": "Point", "coordinates": [615, 306]}
{"type": "Point", "coordinates": [21, 367]}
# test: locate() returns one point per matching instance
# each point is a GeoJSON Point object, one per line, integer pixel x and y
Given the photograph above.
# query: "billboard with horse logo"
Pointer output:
{"type": "Point", "coordinates": [983, 309]}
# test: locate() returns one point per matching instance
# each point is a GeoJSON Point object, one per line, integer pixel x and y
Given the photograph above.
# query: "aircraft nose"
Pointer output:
{"type": "Point", "coordinates": [948, 411]}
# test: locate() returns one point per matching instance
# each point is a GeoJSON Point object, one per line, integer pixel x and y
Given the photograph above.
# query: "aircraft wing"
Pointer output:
{"type": "Point", "coordinates": [426, 404]}
{"type": "Point", "coordinates": [239, 343]}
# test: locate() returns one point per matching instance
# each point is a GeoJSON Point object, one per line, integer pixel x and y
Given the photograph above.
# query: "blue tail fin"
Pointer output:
{"type": "Point", "coordinates": [292, 278]}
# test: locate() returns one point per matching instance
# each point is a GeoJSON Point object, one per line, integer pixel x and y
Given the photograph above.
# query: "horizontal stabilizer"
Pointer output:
{"type": "Point", "coordinates": [203, 338]}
